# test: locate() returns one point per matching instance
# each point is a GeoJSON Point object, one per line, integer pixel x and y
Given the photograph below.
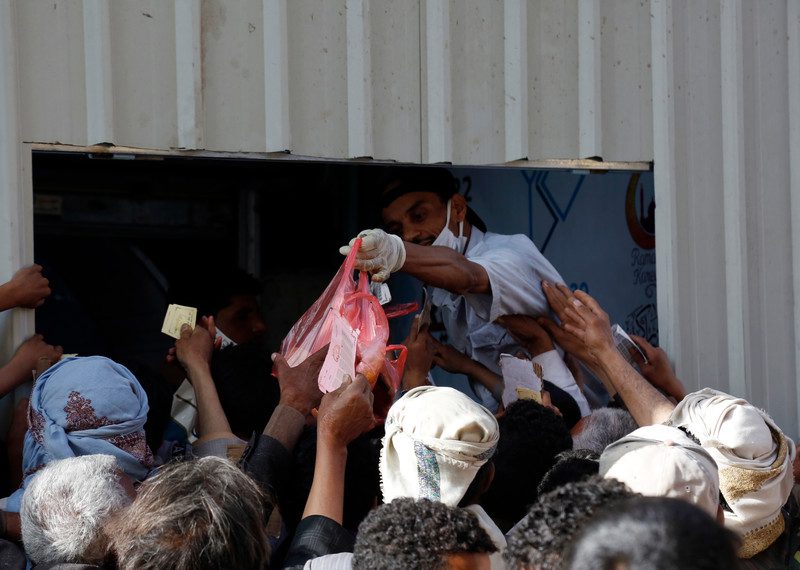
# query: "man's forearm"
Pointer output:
{"type": "Point", "coordinates": [326, 497]}
{"type": "Point", "coordinates": [8, 299]}
{"type": "Point", "coordinates": [485, 377]}
{"type": "Point", "coordinates": [211, 418]}
{"type": "Point", "coordinates": [444, 268]}
{"type": "Point", "coordinates": [646, 404]}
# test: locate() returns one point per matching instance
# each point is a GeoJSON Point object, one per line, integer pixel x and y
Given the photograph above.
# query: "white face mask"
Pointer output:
{"type": "Point", "coordinates": [446, 238]}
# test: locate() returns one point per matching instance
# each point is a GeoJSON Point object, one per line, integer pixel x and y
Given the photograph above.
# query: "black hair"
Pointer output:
{"type": "Point", "coordinates": [409, 534]}
{"type": "Point", "coordinates": [540, 539]}
{"type": "Point", "coordinates": [247, 390]}
{"type": "Point", "coordinates": [531, 436]}
{"type": "Point", "coordinates": [571, 466]}
{"type": "Point", "coordinates": [654, 533]}
{"type": "Point", "coordinates": [215, 291]}
{"type": "Point", "coordinates": [566, 404]}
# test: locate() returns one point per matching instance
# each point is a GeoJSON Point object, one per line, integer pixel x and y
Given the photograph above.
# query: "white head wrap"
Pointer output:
{"type": "Point", "coordinates": [754, 460]}
{"type": "Point", "coordinates": [436, 440]}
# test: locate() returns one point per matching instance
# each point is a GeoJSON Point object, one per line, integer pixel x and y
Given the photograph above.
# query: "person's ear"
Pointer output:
{"type": "Point", "coordinates": [458, 208]}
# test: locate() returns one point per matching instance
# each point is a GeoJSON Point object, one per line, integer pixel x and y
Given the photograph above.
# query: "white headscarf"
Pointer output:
{"type": "Point", "coordinates": [436, 440]}
{"type": "Point", "coordinates": [754, 460]}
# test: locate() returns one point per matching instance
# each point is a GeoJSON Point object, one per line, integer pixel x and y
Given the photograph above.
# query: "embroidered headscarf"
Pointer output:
{"type": "Point", "coordinates": [754, 460]}
{"type": "Point", "coordinates": [436, 440]}
{"type": "Point", "coordinates": [83, 406]}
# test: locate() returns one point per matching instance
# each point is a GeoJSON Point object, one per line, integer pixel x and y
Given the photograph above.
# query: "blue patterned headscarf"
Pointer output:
{"type": "Point", "coordinates": [83, 406]}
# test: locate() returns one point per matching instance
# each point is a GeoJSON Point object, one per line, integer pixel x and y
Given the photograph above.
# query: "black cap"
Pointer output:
{"type": "Point", "coordinates": [402, 180]}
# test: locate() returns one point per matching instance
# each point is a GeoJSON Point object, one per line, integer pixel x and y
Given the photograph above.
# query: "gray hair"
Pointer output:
{"type": "Point", "coordinates": [604, 426]}
{"type": "Point", "coordinates": [66, 506]}
{"type": "Point", "coordinates": [203, 513]}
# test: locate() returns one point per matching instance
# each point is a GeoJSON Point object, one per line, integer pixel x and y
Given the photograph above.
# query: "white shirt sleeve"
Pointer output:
{"type": "Point", "coordinates": [515, 268]}
{"type": "Point", "coordinates": [556, 371]}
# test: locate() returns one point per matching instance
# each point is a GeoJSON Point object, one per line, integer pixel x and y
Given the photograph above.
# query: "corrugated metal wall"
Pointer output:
{"type": "Point", "coordinates": [707, 89]}
{"type": "Point", "coordinates": [464, 81]}
{"type": "Point", "coordinates": [727, 179]}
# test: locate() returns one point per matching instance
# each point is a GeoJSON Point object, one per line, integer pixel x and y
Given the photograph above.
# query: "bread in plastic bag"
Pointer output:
{"type": "Point", "coordinates": [363, 313]}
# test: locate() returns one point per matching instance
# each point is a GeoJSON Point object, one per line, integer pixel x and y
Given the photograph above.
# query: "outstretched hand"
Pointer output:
{"type": "Point", "coordinates": [300, 385]}
{"type": "Point", "coordinates": [345, 413]}
{"type": "Point", "coordinates": [380, 253]}
{"type": "Point", "coordinates": [585, 329]}
{"type": "Point", "coordinates": [450, 359]}
{"type": "Point", "coordinates": [196, 345]}
{"type": "Point", "coordinates": [27, 288]}
{"type": "Point", "coordinates": [528, 332]}
{"type": "Point", "coordinates": [32, 352]}
{"type": "Point", "coordinates": [420, 345]}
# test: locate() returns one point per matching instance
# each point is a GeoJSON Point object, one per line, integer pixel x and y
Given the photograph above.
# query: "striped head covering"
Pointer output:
{"type": "Point", "coordinates": [754, 460]}
{"type": "Point", "coordinates": [84, 406]}
{"type": "Point", "coordinates": [436, 440]}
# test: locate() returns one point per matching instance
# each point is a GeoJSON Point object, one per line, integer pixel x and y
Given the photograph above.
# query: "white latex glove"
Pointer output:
{"type": "Point", "coordinates": [380, 253]}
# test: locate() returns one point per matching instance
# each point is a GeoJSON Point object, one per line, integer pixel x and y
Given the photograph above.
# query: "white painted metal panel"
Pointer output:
{"type": "Point", "coordinates": [793, 78]}
{"type": "Point", "coordinates": [50, 56]}
{"type": "Point", "coordinates": [436, 81]}
{"type": "Point", "coordinates": [626, 104]}
{"type": "Point", "coordinates": [769, 246]}
{"type": "Point", "coordinates": [590, 79]}
{"type": "Point", "coordinates": [318, 77]}
{"type": "Point", "coordinates": [276, 76]}
{"type": "Point", "coordinates": [188, 74]}
{"type": "Point", "coordinates": [720, 133]}
{"type": "Point", "coordinates": [553, 79]}
{"type": "Point", "coordinates": [665, 177]}
{"type": "Point", "coordinates": [515, 76]}
{"type": "Point", "coordinates": [395, 57]}
{"type": "Point", "coordinates": [143, 68]}
{"type": "Point", "coordinates": [733, 196]}
{"type": "Point", "coordinates": [477, 85]}
{"type": "Point", "coordinates": [16, 209]}
{"type": "Point", "coordinates": [700, 243]}
{"type": "Point", "coordinates": [233, 75]}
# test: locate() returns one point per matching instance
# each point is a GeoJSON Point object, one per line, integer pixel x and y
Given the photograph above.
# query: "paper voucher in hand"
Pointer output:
{"type": "Point", "coordinates": [520, 380]}
{"type": "Point", "coordinates": [625, 344]}
{"type": "Point", "coordinates": [177, 316]}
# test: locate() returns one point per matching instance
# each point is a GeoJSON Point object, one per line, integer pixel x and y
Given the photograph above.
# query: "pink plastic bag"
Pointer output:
{"type": "Point", "coordinates": [362, 311]}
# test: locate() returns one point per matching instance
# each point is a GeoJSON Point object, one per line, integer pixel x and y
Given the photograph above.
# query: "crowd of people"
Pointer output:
{"type": "Point", "coordinates": [231, 458]}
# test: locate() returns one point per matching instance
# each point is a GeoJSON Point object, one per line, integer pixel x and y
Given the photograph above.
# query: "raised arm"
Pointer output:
{"type": "Point", "coordinates": [193, 351]}
{"type": "Point", "coordinates": [451, 360]}
{"type": "Point", "coordinates": [657, 369]}
{"type": "Point", "coordinates": [267, 460]}
{"type": "Point", "coordinates": [344, 414]}
{"type": "Point", "coordinates": [445, 268]}
{"type": "Point", "coordinates": [420, 356]}
{"type": "Point", "coordinates": [585, 331]}
{"type": "Point", "coordinates": [530, 334]}
{"type": "Point", "coordinates": [383, 254]}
